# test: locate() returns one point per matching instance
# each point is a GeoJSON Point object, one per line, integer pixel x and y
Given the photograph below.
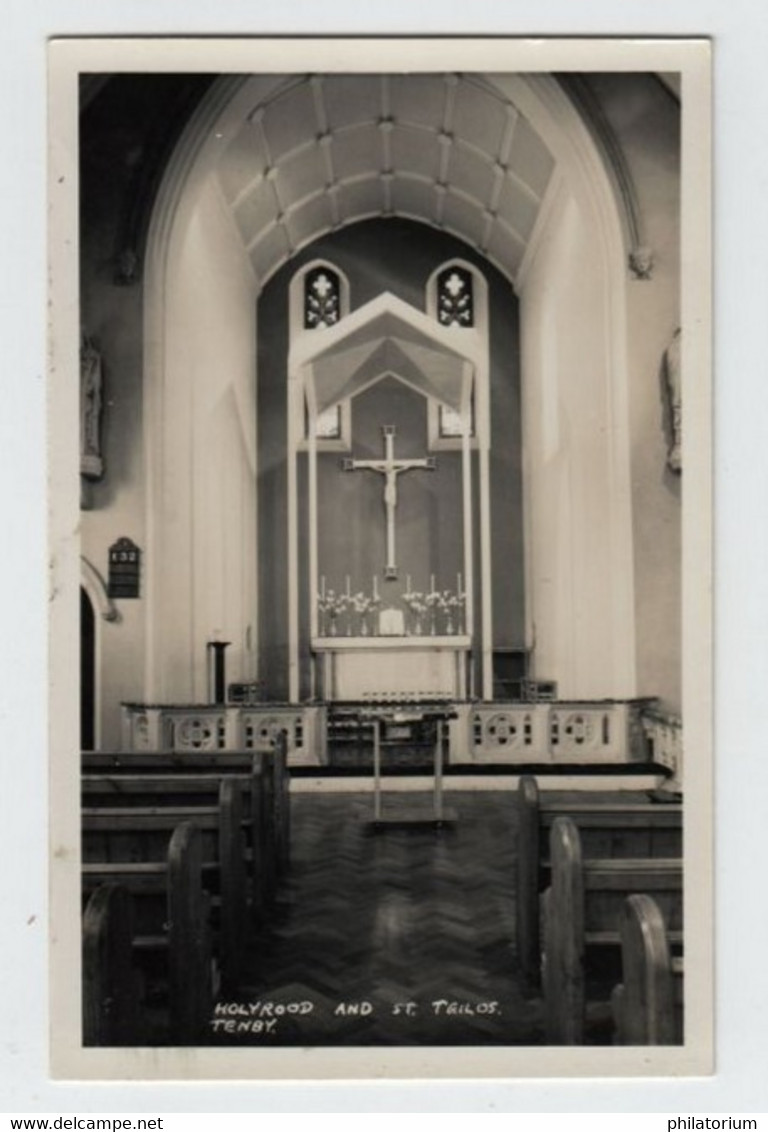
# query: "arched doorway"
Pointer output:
{"type": "Point", "coordinates": [96, 607]}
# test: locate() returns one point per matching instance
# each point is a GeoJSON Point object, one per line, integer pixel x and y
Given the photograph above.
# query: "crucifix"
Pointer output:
{"type": "Point", "coordinates": [390, 468]}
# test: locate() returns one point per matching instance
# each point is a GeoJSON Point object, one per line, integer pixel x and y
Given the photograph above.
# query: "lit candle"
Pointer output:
{"type": "Point", "coordinates": [375, 588]}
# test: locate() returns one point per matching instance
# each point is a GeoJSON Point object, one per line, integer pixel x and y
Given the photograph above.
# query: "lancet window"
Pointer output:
{"type": "Point", "coordinates": [322, 298]}
{"type": "Point", "coordinates": [455, 297]}
{"type": "Point", "coordinates": [319, 299]}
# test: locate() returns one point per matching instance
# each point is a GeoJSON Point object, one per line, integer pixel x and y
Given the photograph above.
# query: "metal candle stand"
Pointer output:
{"type": "Point", "coordinates": [384, 714]}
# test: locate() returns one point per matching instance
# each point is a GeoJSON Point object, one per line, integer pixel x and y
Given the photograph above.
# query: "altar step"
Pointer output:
{"type": "Point", "coordinates": [419, 760]}
{"type": "Point", "coordinates": [404, 759]}
{"type": "Point", "coordinates": [647, 779]}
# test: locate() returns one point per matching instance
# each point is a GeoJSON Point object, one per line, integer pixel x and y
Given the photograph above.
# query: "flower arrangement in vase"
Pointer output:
{"type": "Point", "coordinates": [330, 604]}
{"type": "Point", "coordinates": [455, 605]}
{"type": "Point", "coordinates": [362, 605]}
{"type": "Point", "coordinates": [451, 605]}
{"type": "Point", "coordinates": [446, 607]}
{"type": "Point", "coordinates": [432, 601]}
{"type": "Point", "coordinates": [417, 607]}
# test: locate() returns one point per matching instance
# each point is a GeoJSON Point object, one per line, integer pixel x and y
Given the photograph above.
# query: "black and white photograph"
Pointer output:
{"type": "Point", "coordinates": [380, 526]}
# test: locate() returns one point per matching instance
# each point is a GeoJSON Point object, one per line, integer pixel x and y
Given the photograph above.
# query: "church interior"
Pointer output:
{"type": "Point", "coordinates": [380, 535]}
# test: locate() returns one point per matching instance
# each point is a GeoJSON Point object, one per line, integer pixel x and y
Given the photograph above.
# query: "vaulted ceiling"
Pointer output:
{"type": "Point", "coordinates": [321, 152]}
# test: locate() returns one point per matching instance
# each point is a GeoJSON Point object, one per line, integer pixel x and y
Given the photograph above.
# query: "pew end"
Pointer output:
{"type": "Point", "coordinates": [191, 971]}
{"type": "Point", "coordinates": [616, 829]}
{"type": "Point", "coordinates": [648, 1004]}
{"type": "Point", "coordinates": [111, 985]}
{"type": "Point", "coordinates": [149, 972]}
{"type": "Point", "coordinates": [586, 931]}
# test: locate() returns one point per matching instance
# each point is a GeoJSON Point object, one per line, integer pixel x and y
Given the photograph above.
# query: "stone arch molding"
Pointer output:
{"type": "Point", "coordinates": [578, 172]}
{"type": "Point", "coordinates": [94, 585]}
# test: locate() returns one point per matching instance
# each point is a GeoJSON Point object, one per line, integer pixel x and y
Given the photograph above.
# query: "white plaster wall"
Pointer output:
{"type": "Point", "coordinates": [116, 503]}
{"type": "Point", "coordinates": [646, 121]}
{"type": "Point", "coordinates": [204, 539]}
{"type": "Point", "coordinates": [579, 559]}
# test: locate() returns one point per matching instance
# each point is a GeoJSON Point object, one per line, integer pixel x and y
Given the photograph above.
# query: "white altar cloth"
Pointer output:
{"type": "Point", "coordinates": [353, 668]}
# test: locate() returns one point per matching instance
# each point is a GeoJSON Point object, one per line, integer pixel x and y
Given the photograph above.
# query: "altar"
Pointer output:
{"type": "Point", "coordinates": [419, 667]}
{"type": "Point", "coordinates": [389, 589]}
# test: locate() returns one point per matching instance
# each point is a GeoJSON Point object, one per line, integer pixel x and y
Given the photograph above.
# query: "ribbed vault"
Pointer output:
{"type": "Point", "coordinates": [315, 153]}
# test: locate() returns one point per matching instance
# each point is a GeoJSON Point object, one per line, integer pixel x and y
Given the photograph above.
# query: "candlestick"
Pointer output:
{"type": "Point", "coordinates": [375, 588]}
{"type": "Point", "coordinates": [322, 587]}
{"type": "Point", "coordinates": [219, 678]}
{"type": "Point", "coordinates": [458, 585]}
{"type": "Point", "coordinates": [432, 583]}
{"type": "Point", "coordinates": [349, 589]}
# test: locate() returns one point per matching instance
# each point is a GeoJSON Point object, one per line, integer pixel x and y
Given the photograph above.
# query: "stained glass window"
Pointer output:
{"type": "Point", "coordinates": [455, 302]}
{"type": "Point", "coordinates": [322, 298]}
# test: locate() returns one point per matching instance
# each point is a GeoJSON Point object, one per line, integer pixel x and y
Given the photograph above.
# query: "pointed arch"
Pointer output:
{"type": "Point", "coordinates": [580, 176]}
{"type": "Point", "coordinates": [94, 585]}
{"type": "Point", "coordinates": [339, 439]}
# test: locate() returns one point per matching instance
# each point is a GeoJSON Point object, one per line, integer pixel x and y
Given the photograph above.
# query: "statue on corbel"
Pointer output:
{"type": "Point", "coordinates": [674, 398]}
{"type": "Point", "coordinates": [91, 393]}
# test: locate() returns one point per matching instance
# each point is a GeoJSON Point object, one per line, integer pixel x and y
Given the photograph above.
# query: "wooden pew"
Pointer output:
{"type": "Point", "coordinates": [183, 774]}
{"type": "Point", "coordinates": [648, 1003]}
{"type": "Point", "coordinates": [582, 910]}
{"type": "Point", "coordinates": [111, 987]}
{"type": "Point", "coordinates": [193, 779]}
{"type": "Point", "coordinates": [132, 801]}
{"type": "Point", "coordinates": [608, 829]}
{"type": "Point", "coordinates": [159, 912]}
{"type": "Point", "coordinates": [134, 833]}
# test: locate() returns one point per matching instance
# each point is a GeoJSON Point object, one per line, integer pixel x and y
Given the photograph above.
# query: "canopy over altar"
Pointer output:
{"type": "Point", "coordinates": [381, 638]}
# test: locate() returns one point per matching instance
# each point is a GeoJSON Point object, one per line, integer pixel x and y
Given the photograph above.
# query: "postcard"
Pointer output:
{"type": "Point", "coordinates": [380, 461]}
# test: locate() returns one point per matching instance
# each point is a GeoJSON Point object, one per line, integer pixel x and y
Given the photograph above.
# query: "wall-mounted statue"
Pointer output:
{"type": "Point", "coordinates": [674, 398]}
{"type": "Point", "coordinates": [91, 460]}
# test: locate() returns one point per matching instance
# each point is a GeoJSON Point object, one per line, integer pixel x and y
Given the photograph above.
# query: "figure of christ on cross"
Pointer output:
{"type": "Point", "coordinates": [390, 468]}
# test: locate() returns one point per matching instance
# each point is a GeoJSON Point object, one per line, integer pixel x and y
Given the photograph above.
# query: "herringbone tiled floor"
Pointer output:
{"type": "Point", "coordinates": [396, 916]}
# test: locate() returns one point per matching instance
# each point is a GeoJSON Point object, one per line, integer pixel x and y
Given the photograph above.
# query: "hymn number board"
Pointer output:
{"type": "Point", "coordinates": [124, 568]}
